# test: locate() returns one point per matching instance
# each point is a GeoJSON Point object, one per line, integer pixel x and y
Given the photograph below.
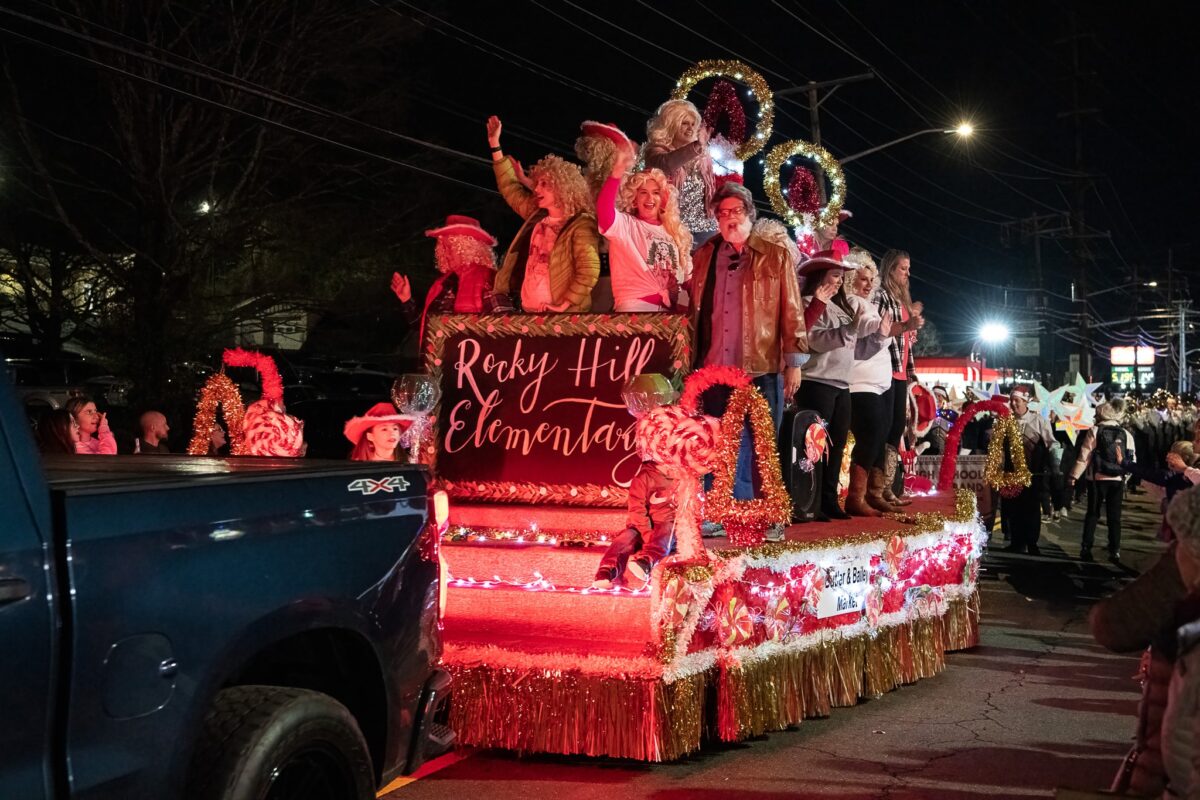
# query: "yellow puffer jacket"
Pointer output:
{"type": "Point", "coordinates": [574, 260]}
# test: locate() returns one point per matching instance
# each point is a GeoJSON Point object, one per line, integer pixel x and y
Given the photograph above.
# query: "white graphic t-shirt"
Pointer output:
{"type": "Point", "coordinates": [645, 264]}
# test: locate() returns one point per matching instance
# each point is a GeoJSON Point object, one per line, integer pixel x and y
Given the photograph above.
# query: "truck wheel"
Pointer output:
{"type": "Point", "coordinates": [277, 743]}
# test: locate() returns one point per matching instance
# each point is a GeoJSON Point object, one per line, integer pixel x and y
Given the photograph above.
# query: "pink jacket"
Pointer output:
{"type": "Point", "coordinates": [103, 444]}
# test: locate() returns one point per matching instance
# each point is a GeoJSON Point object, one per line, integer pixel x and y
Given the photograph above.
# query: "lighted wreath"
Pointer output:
{"type": "Point", "coordinates": [219, 392]}
{"type": "Point", "coordinates": [778, 156]}
{"type": "Point", "coordinates": [950, 455]}
{"type": "Point", "coordinates": [737, 71]}
{"type": "Point", "coordinates": [1006, 434]}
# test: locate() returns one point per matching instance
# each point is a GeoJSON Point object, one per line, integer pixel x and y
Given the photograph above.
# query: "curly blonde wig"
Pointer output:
{"type": "Point", "coordinates": [670, 206]}
{"type": "Point", "coordinates": [454, 252]}
{"type": "Point", "coordinates": [567, 182]}
{"type": "Point", "coordinates": [597, 154]}
{"type": "Point", "coordinates": [664, 126]}
{"type": "Point", "coordinates": [867, 271]}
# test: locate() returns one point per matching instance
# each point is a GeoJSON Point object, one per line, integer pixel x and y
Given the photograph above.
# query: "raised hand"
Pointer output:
{"type": "Point", "coordinates": [401, 287]}
{"type": "Point", "coordinates": [622, 162]}
{"type": "Point", "coordinates": [493, 131]}
{"type": "Point", "coordinates": [886, 325]}
{"type": "Point", "coordinates": [824, 292]}
{"type": "Point", "coordinates": [703, 135]}
{"type": "Point", "coordinates": [918, 308]}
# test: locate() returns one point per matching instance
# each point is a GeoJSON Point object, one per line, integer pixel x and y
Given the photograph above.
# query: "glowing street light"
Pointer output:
{"type": "Point", "coordinates": [964, 129]}
{"type": "Point", "coordinates": [204, 207]}
{"type": "Point", "coordinates": [994, 332]}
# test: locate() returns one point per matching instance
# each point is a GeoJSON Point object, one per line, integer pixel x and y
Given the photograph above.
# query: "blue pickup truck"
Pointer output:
{"type": "Point", "coordinates": [175, 627]}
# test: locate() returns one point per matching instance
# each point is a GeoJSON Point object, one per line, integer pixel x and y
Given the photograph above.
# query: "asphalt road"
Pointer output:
{"type": "Point", "coordinates": [1037, 705]}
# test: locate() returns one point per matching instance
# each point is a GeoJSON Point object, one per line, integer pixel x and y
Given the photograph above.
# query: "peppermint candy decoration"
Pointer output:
{"type": "Point", "coordinates": [270, 432]}
{"type": "Point", "coordinates": [874, 606]}
{"type": "Point", "coordinates": [812, 591]}
{"type": "Point", "coordinates": [672, 437]}
{"type": "Point", "coordinates": [893, 556]}
{"type": "Point", "coordinates": [676, 598]}
{"type": "Point", "coordinates": [734, 624]}
{"type": "Point", "coordinates": [778, 619]}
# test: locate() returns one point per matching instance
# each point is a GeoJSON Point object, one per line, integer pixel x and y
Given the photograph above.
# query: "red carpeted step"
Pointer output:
{"type": "Point", "coordinates": [507, 615]}
{"type": "Point", "coordinates": [561, 566]}
{"type": "Point", "coordinates": [520, 517]}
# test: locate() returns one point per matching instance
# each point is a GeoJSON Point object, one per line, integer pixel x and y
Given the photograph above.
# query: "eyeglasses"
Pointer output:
{"type": "Point", "coordinates": [727, 213]}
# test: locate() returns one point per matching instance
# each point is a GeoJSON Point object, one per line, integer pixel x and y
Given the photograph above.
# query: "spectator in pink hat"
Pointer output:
{"type": "Point", "coordinates": [376, 434]}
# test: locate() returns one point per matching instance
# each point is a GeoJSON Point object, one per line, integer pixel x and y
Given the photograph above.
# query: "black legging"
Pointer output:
{"type": "Point", "coordinates": [899, 415]}
{"type": "Point", "coordinates": [870, 419]}
{"type": "Point", "coordinates": [833, 404]}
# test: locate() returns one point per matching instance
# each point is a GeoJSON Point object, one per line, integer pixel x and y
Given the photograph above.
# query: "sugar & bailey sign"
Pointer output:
{"type": "Point", "coordinates": [531, 408]}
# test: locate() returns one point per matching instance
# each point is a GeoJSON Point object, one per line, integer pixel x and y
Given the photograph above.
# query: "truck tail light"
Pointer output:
{"type": "Point", "coordinates": [441, 523]}
{"type": "Point", "coordinates": [441, 511]}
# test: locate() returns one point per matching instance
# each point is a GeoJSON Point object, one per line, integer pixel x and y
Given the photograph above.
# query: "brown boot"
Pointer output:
{"type": "Point", "coordinates": [856, 502]}
{"type": "Point", "coordinates": [890, 464]}
{"type": "Point", "coordinates": [874, 497]}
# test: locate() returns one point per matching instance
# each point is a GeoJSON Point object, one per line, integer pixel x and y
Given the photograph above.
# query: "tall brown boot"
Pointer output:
{"type": "Point", "coordinates": [856, 498]}
{"type": "Point", "coordinates": [874, 497]}
{"type": "Point", "coordinates": [890, 464]}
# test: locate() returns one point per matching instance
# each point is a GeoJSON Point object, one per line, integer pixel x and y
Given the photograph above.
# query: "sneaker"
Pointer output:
{"type": "Point", "coordinates": [1047, 518]}
{"type": "Point", "coordinates": [639, 568]}
{"type": "Point", "coordinates": [602, 584]}
{"type": "Point", "coordinates": [1114, 556]}
{"type": "Point", "coordinates": [1055, 517]}
{"type": "Point", "coordinates": [776, 532]}
{"type": "Point", "coordinates": [1086, 555]}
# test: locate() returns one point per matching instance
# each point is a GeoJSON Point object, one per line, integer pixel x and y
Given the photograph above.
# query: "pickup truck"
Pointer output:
{"type": "Point", "coordinates": [181, 627]}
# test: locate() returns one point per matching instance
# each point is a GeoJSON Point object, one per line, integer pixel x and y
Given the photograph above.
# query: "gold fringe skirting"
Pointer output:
{"type": "Point", "coordinates": [540, 711]}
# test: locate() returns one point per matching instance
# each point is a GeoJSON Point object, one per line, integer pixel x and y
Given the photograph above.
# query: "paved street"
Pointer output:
{"type": "Point", "coordinates": [1035, 706]}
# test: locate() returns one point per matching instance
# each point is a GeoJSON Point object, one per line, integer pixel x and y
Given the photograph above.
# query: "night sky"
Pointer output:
{"type": "Point", "coordinates": [1004, 66]}
{"type": "Point", "coordinates": [543, 67]}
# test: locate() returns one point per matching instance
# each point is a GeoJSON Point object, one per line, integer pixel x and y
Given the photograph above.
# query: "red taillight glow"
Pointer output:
{"type": "Point", "coordinates": [441, 511]}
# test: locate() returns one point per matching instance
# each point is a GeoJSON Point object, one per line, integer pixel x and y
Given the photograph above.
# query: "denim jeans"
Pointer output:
{"type": "Point", "coordinates": [746, 479]}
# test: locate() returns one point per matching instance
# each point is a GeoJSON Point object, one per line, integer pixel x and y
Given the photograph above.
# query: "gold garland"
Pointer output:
{"type": "Point", "coordinates": [1006, 430]}
{"type": "Point", "coordinates": [747, 520]}
{"type": "Point", "coordinates": [218, 392]}
{"type": "Point", "coordinates": [779, 154]}
{"type": "Point", "coordinates": [737, 71]}
{"type": "Point", "coordinates": [528, 493]}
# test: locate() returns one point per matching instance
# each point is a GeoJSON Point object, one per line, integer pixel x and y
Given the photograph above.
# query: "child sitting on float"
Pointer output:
{"type": "Point", "coordinates": [649, 533]}
{"type": "Point", "coordinates": [376, 435]}
{"type": "Point", "coordinates": [649, 248]}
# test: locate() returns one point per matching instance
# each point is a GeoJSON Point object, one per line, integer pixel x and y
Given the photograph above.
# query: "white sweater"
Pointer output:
{"type": "Point", "coordinates": [832, 339]}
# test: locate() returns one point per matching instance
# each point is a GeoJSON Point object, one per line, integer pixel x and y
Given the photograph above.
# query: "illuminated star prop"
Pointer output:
{"type": "Point", "coordinates": [1084, 391]}
{"type": "Point", "coordinates": [1077, 420]}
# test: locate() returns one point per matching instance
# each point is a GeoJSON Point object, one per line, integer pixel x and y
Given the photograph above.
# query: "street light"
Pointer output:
{"type": "Point", "coordinates": [994, 332]}
{"type": "Point", "coordinates": [963, 131]}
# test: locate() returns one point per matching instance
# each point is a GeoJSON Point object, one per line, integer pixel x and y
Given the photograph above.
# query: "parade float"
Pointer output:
{"type": "Point", "coordinates": [729, 639]}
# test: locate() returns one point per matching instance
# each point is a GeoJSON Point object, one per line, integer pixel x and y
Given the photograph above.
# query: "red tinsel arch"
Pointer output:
{"type": "Point", "coordinates": [704, 379]}
{"type": "Point", "coordinates": [802, 194]}
{"type": "Point", "coordinates": [268, 373]}
{"type": "Point", "coordinates": [950, 456]}
{"type": "Point", "coordinates": [723, 102]}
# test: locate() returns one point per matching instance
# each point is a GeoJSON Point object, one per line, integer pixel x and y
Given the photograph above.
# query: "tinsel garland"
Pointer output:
{"type": "Point", "coordinates": [803, 196]}
{"type": "Point", "coordinates": [1006, 431]}
{"type": "Point", "coordinates": [268, 373]}
{"type": "Point", "coordinates": [723, 101]}
{"type": "Point", "coordinates": [706, 378]}
{"type": "Point", "coordinates": [218, 392]}
{"type": "Point", "coordinates": [746, 521]}
{"type": "Point", "coordinates": [950, 455]}
{"type": "Point", "coordinates": [778, 155]}
{"type": "Point", "coordinates": [737, 71]}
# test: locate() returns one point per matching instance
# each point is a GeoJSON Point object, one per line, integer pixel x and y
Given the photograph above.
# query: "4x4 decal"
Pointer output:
{"type": "Point", "coordinates": [369, 486]}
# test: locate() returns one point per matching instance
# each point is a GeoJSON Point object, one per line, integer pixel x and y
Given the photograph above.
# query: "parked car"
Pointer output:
{"type": "Point", "coordinates": [181, 627]}
{"type": "Point", "coordinates": [50, 382]}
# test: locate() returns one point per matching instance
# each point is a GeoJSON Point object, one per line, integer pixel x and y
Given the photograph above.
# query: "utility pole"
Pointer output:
{"type": "Point", "coordinates": [813, 90]}
{"type": "Point", "coordinates": [1036, 227]}
{"type": "Point", "coordinates": [1081, 256]}
{"type": "Point", "coordinates": [1182, 367]}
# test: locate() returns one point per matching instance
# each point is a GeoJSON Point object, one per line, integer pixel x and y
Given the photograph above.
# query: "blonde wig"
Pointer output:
{"type": "Point", "coordinates": [670, 205]}
{"type": "Point", "coordinates": [567, 182]}
{"type": "Point", "coordinates": [455, 252]}
{"type": "Point", "coordinates": [597, 154]}
{"type": "Point", "coordinates": [866, 271]}
{"type": "Point", "coordinates": [664, 126]}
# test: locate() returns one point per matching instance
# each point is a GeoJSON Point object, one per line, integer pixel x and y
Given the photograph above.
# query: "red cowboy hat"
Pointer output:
{"type": "Point", "coordinates": [458, 225]}
{"type": "Point", "coordinates": [606, 130]}
{"type": "Point", "coordinates": [378, 414]}
{"type": "Point", "coordinates": [826, 259]}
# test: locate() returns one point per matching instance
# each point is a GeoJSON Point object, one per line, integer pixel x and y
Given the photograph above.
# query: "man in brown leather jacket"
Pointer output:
{"type": "Point", "coordinates": [746, 312]}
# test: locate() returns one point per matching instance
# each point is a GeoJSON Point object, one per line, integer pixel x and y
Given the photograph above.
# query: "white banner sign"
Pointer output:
{"type": "Point", "coordinates": [968, 474]}
{"type": "Point", "coordinates": [846, 585]}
